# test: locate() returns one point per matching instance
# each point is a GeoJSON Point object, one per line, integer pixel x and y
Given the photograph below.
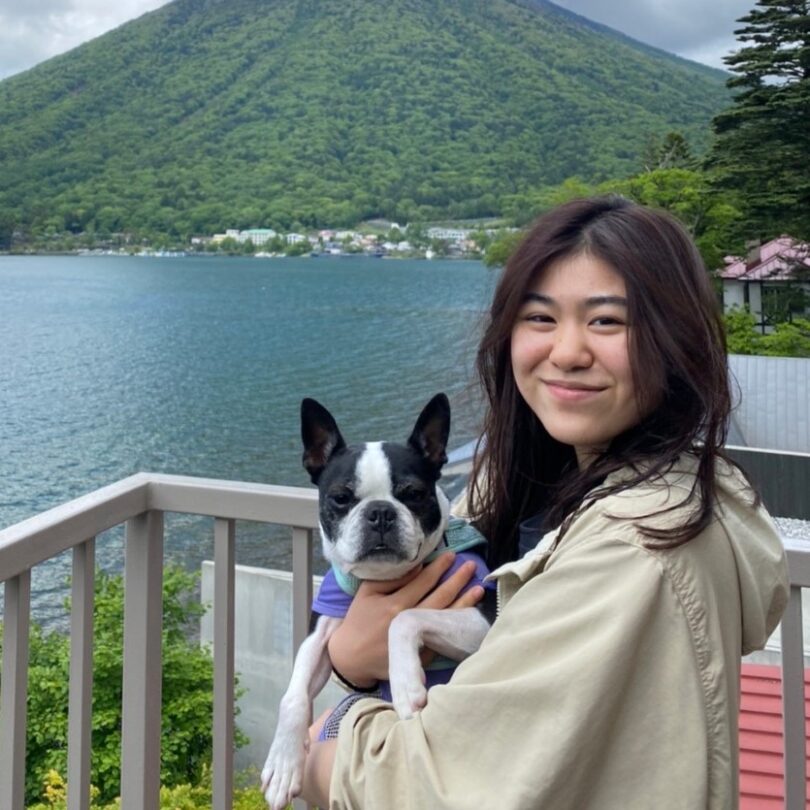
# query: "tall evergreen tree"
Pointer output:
{"type": "Point", "coordinates": [673, 152]}
{"type": "Point", "coordinates": [762, 146]}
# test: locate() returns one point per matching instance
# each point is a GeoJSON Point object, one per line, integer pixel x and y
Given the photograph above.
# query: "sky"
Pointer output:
{"type": "Point", "coordinates": [34, 30]}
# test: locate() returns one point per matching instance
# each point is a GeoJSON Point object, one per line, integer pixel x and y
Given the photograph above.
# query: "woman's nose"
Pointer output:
{"type": "Point", "coordinates": [570, 349]}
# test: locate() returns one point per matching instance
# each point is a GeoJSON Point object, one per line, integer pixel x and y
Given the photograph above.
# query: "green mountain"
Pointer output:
{"type": "Point", "coordinates": [243, 113]}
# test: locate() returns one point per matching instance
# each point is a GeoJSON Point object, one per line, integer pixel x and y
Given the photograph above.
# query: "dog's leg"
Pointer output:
{"type": "Point", "coordinates": [283, 770]}
{"type": "Point", "coordinates": [454, 633]}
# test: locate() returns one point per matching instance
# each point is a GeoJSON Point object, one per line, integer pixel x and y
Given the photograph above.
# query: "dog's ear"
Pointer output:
{"type": "Point", "coordinates": [432, 430]}
{"type": "Point", "coordinates": [321, 437]}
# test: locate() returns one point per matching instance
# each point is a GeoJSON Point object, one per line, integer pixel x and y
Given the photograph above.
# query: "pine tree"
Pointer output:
{"type": "Point", "coordinates": [674, 152]}
{"type": "Point", "coordinates": [762, 146]}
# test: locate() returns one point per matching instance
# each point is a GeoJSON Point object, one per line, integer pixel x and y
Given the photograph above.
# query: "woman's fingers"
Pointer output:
{"type": "Point", "coordinates": [359, 646]}
{"type": "Point", "coordinates": [419, 587]}
{"type": "Point", "coordinates": [408, 591]}
{"type": "Point", "coordinates": [470, 598]}
{"type": "Point", "coordinates": [381, 587]}
{"type": "Point", "coordinates": [448, 592]}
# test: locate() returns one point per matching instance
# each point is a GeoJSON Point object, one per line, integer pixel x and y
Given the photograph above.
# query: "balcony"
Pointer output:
{"type": "Point", "coordinates": [140, 502]}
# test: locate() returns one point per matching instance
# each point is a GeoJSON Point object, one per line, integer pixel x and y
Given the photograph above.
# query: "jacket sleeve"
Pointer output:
{"type": "Point", "coordinates": [585, 694]}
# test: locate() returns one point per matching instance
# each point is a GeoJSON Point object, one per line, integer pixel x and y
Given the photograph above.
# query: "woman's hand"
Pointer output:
{"type": "Point", "coordinates": [359, 647]}
{"type": "Point", "coordinates": [318, 773]}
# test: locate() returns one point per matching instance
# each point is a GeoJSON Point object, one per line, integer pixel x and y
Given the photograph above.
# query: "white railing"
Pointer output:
{"type": "Point", "coordinates": [140, 502]}
{"type": "Point", "coordinates": [793, 699]}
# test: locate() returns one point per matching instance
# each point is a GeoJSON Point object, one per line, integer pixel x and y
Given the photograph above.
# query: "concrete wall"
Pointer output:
{"type": "Point", "coordinates": [263, 652]}
{"type": "Point", "coordinates": [773, 393]}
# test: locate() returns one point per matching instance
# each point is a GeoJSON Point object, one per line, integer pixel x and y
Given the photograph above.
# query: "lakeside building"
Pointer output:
{"type": "Point", "coordinates": [258, 236]}
{"type": "Point", "coordinates": [328, 241]}
{"type": "Point", "coordinates": [449, 234]}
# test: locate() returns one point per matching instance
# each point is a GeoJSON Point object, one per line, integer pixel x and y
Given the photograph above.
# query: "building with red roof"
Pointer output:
{"type": "Point", "coordinates": [774, 274]}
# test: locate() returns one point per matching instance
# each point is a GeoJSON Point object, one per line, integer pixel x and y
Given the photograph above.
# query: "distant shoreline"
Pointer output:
{"type": "Point", "coordinates": [190, 254]}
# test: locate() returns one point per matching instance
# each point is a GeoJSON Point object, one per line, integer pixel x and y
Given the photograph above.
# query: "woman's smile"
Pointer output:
{"type": "Point", "coordinates": [572, 392]}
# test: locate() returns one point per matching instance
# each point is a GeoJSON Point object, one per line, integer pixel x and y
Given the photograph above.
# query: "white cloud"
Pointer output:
{"type": "Point", "coordinates": [695, 29]}
{"type": "Point", "coordinates": [35, 30]}
{"type": "Point", "coordinates": [711, 52]}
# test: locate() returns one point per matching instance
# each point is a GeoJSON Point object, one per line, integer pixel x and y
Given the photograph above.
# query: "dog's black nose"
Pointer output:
{"type": "Point", "coordinates": [381, 515]}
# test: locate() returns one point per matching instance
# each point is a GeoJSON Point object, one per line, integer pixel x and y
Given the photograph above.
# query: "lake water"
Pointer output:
{"type": "Point", "coordinates": [197, 366]}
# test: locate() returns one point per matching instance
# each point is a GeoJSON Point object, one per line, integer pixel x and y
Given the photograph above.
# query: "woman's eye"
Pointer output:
{"type": "Point", "coordinates": [538, 317]}
{"type": "Point", "coordinates": [607, 320]}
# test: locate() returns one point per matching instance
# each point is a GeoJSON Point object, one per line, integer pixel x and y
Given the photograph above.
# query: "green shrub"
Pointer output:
{"type": "Point", "coordinates": [788, 339]}
{"type": "Point", "coordinates": [502, 247]}
{"type": "Point", "coordinates": [187, 692]}
{"type": "Point", "coordinates": [179, 797]}
{"type": "Point", "coordinates": [741, 333]}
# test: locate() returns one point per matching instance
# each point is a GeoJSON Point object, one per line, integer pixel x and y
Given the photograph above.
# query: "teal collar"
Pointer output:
{"type": "Point", "coordinates": [458, 536]}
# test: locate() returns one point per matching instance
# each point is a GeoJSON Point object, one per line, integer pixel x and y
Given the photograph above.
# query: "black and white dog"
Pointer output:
{"type": "Point", "coordinates": [381, 514]}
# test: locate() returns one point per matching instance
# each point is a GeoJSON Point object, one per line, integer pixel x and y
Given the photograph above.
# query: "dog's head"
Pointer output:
{"type": "Point", "coordinates": [381, 511]}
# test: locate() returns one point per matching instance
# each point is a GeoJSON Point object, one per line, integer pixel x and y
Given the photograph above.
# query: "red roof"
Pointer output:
{"type": "Point", "coordinates": [761, 768]}
{"type": "Point", "coordinates": [774, 260]}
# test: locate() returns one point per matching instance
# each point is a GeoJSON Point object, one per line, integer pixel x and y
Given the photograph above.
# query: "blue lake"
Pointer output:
{"type": "Point", "coordinates": [197, 366]}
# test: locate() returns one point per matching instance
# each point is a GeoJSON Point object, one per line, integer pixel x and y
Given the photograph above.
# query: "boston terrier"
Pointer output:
{"type": "Point", "coordinates": [381, 513]}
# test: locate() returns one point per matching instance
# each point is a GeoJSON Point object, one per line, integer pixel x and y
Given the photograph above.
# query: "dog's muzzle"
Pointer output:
{"type": "Point", "coordinates": [380, 535]}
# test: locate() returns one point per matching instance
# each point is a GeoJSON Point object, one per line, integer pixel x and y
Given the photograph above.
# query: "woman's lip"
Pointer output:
{"type": "Point", "coordinates": [571, 393]}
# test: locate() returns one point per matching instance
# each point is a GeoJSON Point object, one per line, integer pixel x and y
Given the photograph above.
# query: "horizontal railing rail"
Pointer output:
{"type": "Point", "coordinates": [782, 479]}
{"type": "Point", "coordinates": [139, 502]}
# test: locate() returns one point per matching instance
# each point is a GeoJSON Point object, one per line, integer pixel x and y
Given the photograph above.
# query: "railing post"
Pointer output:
{"type": "Point", "coordinates": [143, 620]}
{"type": "Point", "coordinates": [302, 584]}
{"type": "Point", "coordinates": [81, 676]}
{"type": "Point", "coordinates": [224, 580]}
{"type": "Point", "coordinates": [14, 691]}
{"type": "Point", "coordinates": [302, 596]}
{"type": "Point", "coordinates": [793, 703]}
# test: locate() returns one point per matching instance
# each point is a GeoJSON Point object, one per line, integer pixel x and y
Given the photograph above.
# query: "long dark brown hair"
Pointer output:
{"type": "Point", "coordinates": [677, 354]}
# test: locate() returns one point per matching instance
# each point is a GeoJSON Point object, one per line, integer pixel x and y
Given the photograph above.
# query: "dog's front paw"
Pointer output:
{"type": "Point", "coordinates": [408, 694]}
{"type": "Point", "coordinates": [408, 691]}
{"type": "Point", "coordinates": [283, 771]}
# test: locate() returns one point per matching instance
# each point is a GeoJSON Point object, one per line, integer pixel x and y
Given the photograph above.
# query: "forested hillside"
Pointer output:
{"type": "Point", "coordinates": [245, 113]}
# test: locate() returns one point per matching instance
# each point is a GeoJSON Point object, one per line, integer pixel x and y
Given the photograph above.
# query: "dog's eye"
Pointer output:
{"type": "Point", "coordinates": [413, 494]}
{"type": "Point", "coordinates": [341, 498]}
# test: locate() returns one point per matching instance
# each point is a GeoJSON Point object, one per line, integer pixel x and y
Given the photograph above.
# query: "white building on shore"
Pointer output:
{"type": "Point", "coordinates": [258, 236]}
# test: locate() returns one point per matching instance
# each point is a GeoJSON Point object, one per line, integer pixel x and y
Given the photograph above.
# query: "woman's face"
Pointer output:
{"type": "Point", "coordinates": [570, 354]}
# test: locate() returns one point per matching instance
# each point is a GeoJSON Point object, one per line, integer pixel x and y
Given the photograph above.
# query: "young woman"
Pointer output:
{"type": "Point", "coordinates": [611, 677]}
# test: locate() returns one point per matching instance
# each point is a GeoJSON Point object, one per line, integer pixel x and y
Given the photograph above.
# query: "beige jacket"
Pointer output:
{"type": "Point", "coordinates": [610, 679]}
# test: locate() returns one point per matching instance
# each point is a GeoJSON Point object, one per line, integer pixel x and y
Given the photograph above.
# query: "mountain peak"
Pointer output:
{"type": "Point", "coordinates": [206, 113]}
